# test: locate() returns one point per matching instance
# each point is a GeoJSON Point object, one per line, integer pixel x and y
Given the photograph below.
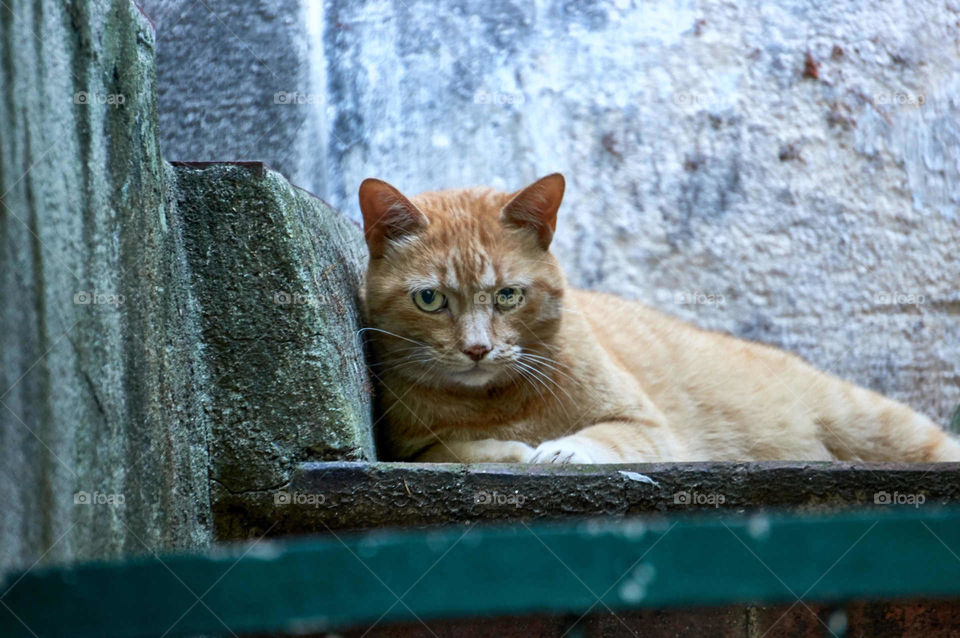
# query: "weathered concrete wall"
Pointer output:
{"type": "Point", "coordinates": [98, 329]}
{"type": "Point", "coordinates": [169, 335]}
{"type": "Point", "coordinates": [712, 170]}
{"type": "Point", "coordinates": [239, 100]}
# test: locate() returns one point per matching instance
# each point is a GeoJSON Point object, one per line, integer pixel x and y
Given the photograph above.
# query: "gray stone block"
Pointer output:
{"type": "Point", "coordinates": [276, 275]}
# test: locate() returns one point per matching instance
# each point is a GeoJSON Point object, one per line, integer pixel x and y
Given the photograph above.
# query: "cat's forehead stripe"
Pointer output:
{"type": "Point", "coordinates": [450, 271]}
{"type": "Point", "coordinates": [462, 262]}
{"type": "Point", "coordinates": [474, 268]}
{"type": "Point", "coordinates": [488, 276]}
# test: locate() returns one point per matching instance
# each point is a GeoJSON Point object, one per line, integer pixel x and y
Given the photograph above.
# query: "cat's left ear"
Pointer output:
{"type": "Point", "coordinates": [387, 215]}
{"type": "Point", "coordinates": [535, 208]}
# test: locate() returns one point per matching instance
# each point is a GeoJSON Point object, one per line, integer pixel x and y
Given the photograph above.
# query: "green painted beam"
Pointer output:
{"type": "Point", "coordinates": [329, 582]}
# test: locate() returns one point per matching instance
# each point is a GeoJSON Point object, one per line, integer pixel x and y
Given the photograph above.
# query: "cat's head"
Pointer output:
{"type": "Point", "coordinates": [461, 289]}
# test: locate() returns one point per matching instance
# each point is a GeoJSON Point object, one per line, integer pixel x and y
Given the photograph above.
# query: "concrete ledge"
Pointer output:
{"type": "Point", "coordinates": [343, 495]}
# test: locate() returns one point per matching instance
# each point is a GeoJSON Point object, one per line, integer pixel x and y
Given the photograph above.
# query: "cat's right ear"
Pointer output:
{"type": "Point", "coordinates": [387, 215]}
{"type": "Point", "coordinates": [535, 208]}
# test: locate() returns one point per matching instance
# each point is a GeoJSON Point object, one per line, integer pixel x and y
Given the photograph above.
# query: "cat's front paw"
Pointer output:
{"type": "Point", "coordinates": [565, 450]}
{"type": "Point", "coordinates": [483, 451]}
{"type": "Point", "coordinates": [515, 452]}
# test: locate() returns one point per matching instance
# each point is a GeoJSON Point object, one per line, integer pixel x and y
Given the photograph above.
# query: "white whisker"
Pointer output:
{"type": "Point", "coordinates": [392, 334]}
{"type": "Point", "coordinates": [550, 364]}
{"type": "Point", "coordinates": [528, 378]}
{"type": "Point", "coordinates": [543, 377]}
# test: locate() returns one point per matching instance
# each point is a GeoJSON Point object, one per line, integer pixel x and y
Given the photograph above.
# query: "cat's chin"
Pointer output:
{"type": "Point", "coordinates": [474, 377]}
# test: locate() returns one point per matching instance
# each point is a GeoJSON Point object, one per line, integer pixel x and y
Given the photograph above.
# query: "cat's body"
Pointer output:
{"type": "Point", "coordinates": [554, 374]}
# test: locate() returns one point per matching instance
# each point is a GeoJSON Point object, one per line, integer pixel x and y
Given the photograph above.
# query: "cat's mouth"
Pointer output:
{"type": "Point", "coordinates": [475, 375]}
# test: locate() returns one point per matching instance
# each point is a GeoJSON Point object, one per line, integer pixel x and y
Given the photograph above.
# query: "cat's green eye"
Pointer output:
{"type": "Point", "coordinates": [509, 298]}
{"type": "Point", "coordinates": [429, 300]}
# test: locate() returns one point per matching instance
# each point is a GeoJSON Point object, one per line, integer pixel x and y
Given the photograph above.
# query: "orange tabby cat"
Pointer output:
{"type": "Point", "coordinates": [484, 354]}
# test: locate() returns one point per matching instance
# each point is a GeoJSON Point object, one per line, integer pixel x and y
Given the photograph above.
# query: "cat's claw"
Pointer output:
{"type": "Point", "coordinates": [560, 451]}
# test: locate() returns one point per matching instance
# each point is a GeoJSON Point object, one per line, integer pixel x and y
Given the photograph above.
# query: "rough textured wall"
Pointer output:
{"type": "Point", "coordinates": [97, 332]}
{"type": "Point", "coordinates": [788, 173]}
{"type": "Point", "coordinates": [169, 335]}
{"type": "Point", "coordinates": [233, 79]}
{"type": "Point", "coordinates": [276, 274]}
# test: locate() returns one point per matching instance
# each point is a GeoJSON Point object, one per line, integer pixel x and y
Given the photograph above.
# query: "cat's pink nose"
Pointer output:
{"type": "Point", "coordinates": [476, 352]}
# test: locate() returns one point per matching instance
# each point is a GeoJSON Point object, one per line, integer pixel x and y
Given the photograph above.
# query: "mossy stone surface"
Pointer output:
{"type": "Point", "coordinates": [276, 274]}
